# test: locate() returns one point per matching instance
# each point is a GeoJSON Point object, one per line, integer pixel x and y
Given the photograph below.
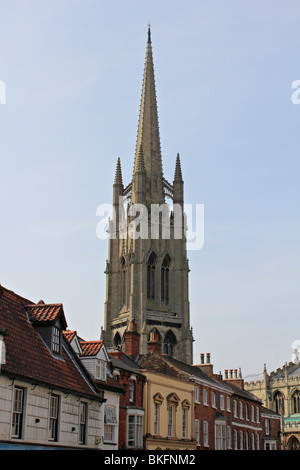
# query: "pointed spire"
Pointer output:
{"type": "Point", "coordinates": [149, 32]}
{"type": "Point", "coordinates": [178, 173]}
{"type": "Point", "coordinates": [118, 176]}
{"type": "Point", "coordinates": [148, 132]}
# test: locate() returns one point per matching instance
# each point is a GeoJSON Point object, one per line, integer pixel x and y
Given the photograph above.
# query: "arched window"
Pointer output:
{"type": "Point", "coordinates": [151, 277]}
{"type": "Point", "coordinates": [123, 280]}
{"type": "Point", "coordinates": [169, 343]}
{"type": "Point", "coordinates": [296, 402]}
{"type": "Point", "coordinates": [278, 401]}
{"type": "Point", "coordinates": [165, 267]}
{"type": "Point", "coordinates": [118, 341]}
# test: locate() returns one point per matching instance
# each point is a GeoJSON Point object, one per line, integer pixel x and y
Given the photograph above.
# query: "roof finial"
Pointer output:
{"type": "Point", "coordinates": [149, 32]}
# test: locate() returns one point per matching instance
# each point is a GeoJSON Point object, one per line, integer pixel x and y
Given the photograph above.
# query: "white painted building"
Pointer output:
{"type": "Point", "coordinates": [47, 397]}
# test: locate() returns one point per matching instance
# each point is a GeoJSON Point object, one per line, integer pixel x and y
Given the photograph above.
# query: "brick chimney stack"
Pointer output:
{"type": "Point", "coordinates": [132, 340]}
{"type": "Point", "coordinates": [234, 377]}
{"type": "Point", "coordinates": [154, 342]}
{"type": "Point", "coordinates": [206, 367]}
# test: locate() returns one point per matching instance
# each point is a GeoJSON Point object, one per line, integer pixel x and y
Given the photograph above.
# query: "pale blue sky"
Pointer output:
{"type": "Point", "coordinates": [73, 73]}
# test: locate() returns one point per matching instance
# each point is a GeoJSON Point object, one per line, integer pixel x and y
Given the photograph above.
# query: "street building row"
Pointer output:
{"type": "Point", "coordinates": [59, 391]}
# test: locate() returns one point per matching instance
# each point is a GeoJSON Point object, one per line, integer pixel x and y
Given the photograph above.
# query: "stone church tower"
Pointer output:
{"type": "Point", "coordinates": [147, 275]}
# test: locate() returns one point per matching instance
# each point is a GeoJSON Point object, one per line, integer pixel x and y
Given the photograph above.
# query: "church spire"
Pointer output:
{"type": "Point", "coordinates": [178, 174]}
{"type": "Point", "coordinates": [118, 175]}
{"type": "Point", "coordinates": [148, 133]}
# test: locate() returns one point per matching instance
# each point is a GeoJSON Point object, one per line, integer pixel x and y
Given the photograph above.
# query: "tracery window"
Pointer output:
{"type": "Point", "coordinates": [296, 402]}
{"type": "Point", "coordinates": [278, 401]}
{"type": "Point", "coordinates": [165, 268]}
{"type": "Point", "coordinates": [169, 343]}
{"type": "Point", "coordinates": [151, 277]}
{"type": "Point", "coordinates": [123, 280]}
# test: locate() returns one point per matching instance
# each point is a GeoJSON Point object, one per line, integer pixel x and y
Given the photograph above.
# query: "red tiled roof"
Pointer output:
{"type": "Point", "coordinates": [41, 313]}
{"type": "Point", "coordinates": [91, 348]}
{"type": "Point", "coordinates": [28, 357]}
{"type": "Point", "coordinates": [69, 335]}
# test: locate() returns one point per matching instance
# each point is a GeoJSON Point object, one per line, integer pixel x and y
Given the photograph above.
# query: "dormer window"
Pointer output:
{"type": "Point", "coordinates": [56, 340]}
{"type": "Point", "coordinates": [100, 372]}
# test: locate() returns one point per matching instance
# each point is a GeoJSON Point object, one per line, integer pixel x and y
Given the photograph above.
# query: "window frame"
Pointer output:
{"type": "Point", "coordinates": [205, 397]}
{"type": "Point", "coordinates": [18, 412]}
{"type": "Point", "coordinates": [53, 419]}
{"type": "Point", "coordinates": [100, 369]}
{"type": "Point", "coordinates": [135, 424]}
{"type": "Point", "coordinates": [83, 422]}
{"type": "Point", "coordinates": [56, 340]}
{"type": "Point", "coordinates": [110, 423]}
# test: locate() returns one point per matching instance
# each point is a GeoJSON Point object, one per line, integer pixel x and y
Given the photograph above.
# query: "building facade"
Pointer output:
{"type": "Point", "coordinates": [47, 398]}
{"type": "Point", "coordinates": [95, 358]}
{"type": "Point", "coordinates": [280, 392]}
{"type": "Point", "coordinates": [147, 267]}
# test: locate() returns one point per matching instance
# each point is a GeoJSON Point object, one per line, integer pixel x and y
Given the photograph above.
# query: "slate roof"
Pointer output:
{"type": "Point", "coordinates": [241, 392]}
{"type": "Point", "coordinates": [28, 357]}
{"type": "Point", "coordinates": [124, 362]}
{"type": "Point", "coordinates": [154, 361]}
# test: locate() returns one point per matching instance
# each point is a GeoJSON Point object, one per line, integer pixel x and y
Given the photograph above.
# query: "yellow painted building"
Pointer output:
{"type": "Point", "coordinates": [169, 416]}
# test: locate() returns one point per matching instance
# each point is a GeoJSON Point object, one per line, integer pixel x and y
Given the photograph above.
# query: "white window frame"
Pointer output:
{"type": "Point", "coordinates": [228, 404]}
{"type": "Point", "coordinates": [220, 436]}
{"type": "Point", "coordinates": [197, 394]}
{"type": "Point", "coordinates": [53, 424]}
{"type": "Point", "coordinates": [56, 340]}
{"type": "Point", "coordinates": [213, 400]}
{"type": "Point", "coordinates": [241, 440]}
{"type": "Point", "coordinates": [235, 439]}
{"type": "Point", "coordinates": [222, 407]}
{"type": "Point", "coordinates": [228, 437]}
{"type": "Point", "coordinates": [205, 396]}
{"type": "Point", "coordinates": [197, 431]}
{"type": "Point", "coordinates": [110, 424]}
{"type": "Point", "coordinates": [18, 412]}
{"type": "Point", "coordinates": [135, 422]}
{"type": "Point", "coordinates": [83, 422]}
{"type": "Point", "coordinates": [252, 413]}
{"type": "Point", "coordinates": [241, 410]}
{"type": "Point", "coordinates": [257, 415]}
{"type": "Point", "coordinates": [205, 434]}
{"type": "Point", "coordinates": [267, 427]}
{"type": "Point", "coordinates": [100, 369]}
{"type": "Point", "coordinates": [132, 390]}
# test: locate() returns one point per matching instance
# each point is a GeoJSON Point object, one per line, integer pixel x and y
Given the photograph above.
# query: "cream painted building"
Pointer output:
{"type": "Point", "coordinates": [169, 418]}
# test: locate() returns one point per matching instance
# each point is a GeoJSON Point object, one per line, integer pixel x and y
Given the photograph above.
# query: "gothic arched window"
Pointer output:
{"type": "Point", "coordinates": [151, 277]}
{"type": "Point", "coordinates": [123, 280]}
{"type": "Point", "coordinates": [296, 402]}
{"type": "Point", "coordinates": [165, 267]}
{"type": "Point", "coordinates": [278, 400]}
{"type": "Point", "coordinates": [169, 343]}
{"type": "Point", "coordinates": [118, 341]}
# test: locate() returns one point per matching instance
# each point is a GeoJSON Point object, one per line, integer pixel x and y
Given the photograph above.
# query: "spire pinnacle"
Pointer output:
{"type": "Point", "coordinates": [149, 32]}
{"type": "Point", "coordinates": [178, 174]}
{"type": "Point", "coordinates": [118, 176]}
